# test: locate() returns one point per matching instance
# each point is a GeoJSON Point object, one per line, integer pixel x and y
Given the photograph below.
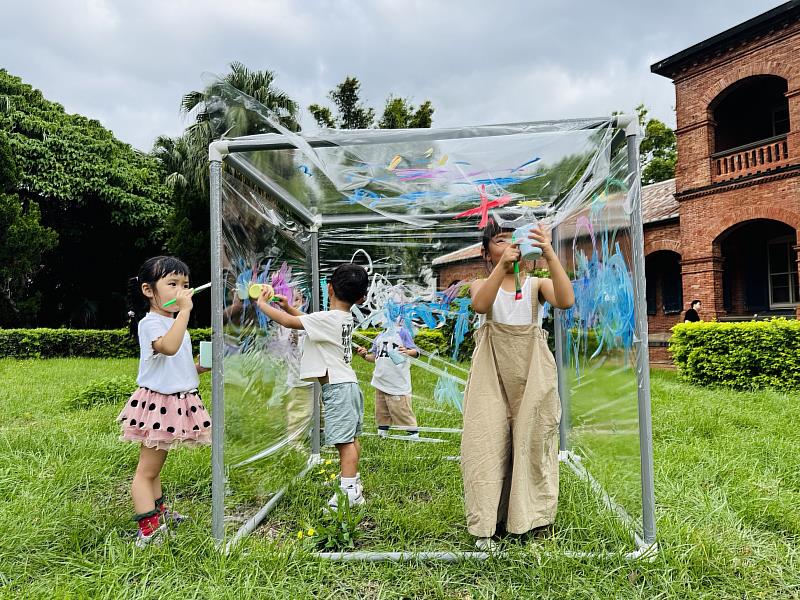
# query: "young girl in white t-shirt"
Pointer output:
{"type": "Point", "coordinates": [166, 409]}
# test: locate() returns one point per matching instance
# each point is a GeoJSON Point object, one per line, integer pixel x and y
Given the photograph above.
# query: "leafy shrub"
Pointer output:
{"type": "Point", "coordinates": [429, 340]}
{"type": "Point", "coordinates": [742, 356]}
{"type": "Point", "coordinates": [106, 391]}
{"type": "Point", "coordinates": [88, 343]}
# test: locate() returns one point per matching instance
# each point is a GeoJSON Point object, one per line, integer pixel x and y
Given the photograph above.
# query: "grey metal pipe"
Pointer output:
{"type": "Point", "coordinates": [372, 218]}
{"type": "Point", "coordinates": [315, 305]}
{"type": "Point", "coordinates": [391, 136]}
{"type": "Point", "coordinates": [563, 389]}
{"type": "Point", "coordinates": [273, 189]}
{"type": "Point", "coordinates": [641, 343]}
{"type": "Point", "coordinates": [257, 518]}
{"type": "Point", "coordinates": [217, 382]}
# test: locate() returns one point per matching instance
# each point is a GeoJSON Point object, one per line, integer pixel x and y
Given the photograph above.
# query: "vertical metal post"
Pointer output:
{"type": "Point", "coordinates": [217, 387]}
{"type": "Point", "coordinates": [315, 306]}
{"type": "Point", "coordinates": [561, 366]}
{"type": "Point", "coordinates": [640, 341]}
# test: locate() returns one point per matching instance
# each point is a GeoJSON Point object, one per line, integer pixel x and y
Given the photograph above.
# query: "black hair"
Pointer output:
{"type": "Point", "coordinates": [350, 282]}
{"type": "Point", "coordinates": [695, 302]}
{"type": "Point", "coordinates": [492, 229]}
{"type": "Point", "coordinates": [152, 270]}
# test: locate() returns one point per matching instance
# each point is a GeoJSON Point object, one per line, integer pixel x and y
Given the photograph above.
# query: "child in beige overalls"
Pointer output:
{"type": "Point", "coordinates": [509, 448]}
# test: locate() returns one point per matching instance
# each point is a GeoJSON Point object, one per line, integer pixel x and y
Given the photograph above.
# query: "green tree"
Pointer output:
{"type": "Point", "coordinates": [658, 150]}
{"type": "Point", "coordinates": [23, 243]}
{"type": "Point", "coordinates": [224, 107]}
{"type": "Point", "coordinates": [399, 113]}
{"type": "Point", "coordinates": [104, 199]}
{"type": "Point", "coordinates": [352, 113]}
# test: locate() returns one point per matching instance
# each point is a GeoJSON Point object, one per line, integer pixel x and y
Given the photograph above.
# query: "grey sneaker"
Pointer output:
{"type": "Point", "coordinates": [168, 516]}
{"type": "Point", "coordinates": [156, 538]}
{"type": "Point", "coordinates": [485, 544]}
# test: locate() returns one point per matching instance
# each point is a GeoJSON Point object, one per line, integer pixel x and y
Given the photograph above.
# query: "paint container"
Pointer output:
{"type": "Point", "coordinates": [397, 357]}
{"type": "Point", "coordinates": [205, 355]}
{"type": "Point", "coordinates": [526, 248]}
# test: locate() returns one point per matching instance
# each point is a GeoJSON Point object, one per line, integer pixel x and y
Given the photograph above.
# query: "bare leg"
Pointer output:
{"type": "Point", "coordinates": [147, 479]}
{"type": "Point", "coordinates": [348, 458]}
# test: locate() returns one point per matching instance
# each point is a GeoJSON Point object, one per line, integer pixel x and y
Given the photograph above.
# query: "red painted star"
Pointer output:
{"type": "Point", "coordinates": [483, 209]}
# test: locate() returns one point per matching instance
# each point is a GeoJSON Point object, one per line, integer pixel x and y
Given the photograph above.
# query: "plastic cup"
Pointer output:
{"type": "Point", "coordinates": [527, 250]}
{"type": "Point", "coordinates": [242, 291]}
{"type": "Point", "coordinates": [205, 355]}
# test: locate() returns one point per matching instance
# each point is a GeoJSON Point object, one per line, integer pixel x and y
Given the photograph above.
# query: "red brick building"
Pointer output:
{"type": "Point", "coordinates": [733, 244]}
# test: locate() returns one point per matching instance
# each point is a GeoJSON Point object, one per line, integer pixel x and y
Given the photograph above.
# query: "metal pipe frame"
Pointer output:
{"type": "Point", "coordinates": [217, 384]}
{"type": "Point", "coordinates": [641, 341]}
{"type": "Point", "coordinates": [646, 545]}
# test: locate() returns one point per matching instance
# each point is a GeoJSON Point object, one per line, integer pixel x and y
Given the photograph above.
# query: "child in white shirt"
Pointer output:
{"type": "Point", "coordinates": [327, 354]}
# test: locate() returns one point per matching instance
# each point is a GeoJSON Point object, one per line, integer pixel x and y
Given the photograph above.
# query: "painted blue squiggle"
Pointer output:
{"type": "Point", "coordinates": [603, 291]}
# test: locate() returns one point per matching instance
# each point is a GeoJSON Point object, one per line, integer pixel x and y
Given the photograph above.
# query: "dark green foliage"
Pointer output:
{"type": "Point", "coordinates": [104, 200]}
{"type": "Point", "coordinates": [104, 391]}
{"type": "Point", "coordinates": [90, 343]}
{"type": "Point", "coordinates": [429, 340]}
{"type": "Point", "coordinates": [658, 150]}
{"type": "Point", "coordinates": [742, 356]}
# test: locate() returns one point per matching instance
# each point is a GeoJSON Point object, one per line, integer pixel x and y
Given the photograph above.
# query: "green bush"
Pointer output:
{"type": "Point", "coordinates": [116, 390]}
{"type": "Point", "coordinates": [88, 343]}
{"type": "Point", "coordinates": [742, 356]}
{"type": "Point", "coordinates": [429, 340]}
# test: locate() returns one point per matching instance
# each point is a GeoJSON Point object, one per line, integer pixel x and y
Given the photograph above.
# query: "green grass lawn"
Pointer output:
{"type": "Point", "coordinates": [727, 488]}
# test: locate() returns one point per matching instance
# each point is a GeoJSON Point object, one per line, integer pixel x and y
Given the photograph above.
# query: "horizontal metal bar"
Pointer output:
{"type": "Point", "coordinates": [647, 553]}
{"type": "Point", "coordinates": [256, 519]}
{"type": "Point", "coordinates": [273, 189]}
{"type": "Point", "coordinates": [371, 218]}
{"type": "Point", "coordinates": [426, 429]}
{"type": "Point", "coordinates": [276, 141]}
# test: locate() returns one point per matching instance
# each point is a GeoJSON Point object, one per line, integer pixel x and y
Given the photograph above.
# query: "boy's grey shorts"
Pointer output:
{"type": "Point", "coordinates": [343, 404]}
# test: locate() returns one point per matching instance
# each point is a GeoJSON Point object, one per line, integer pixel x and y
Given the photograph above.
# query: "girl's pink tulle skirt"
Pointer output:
{"type": "Point", "coordinates": [163, 421]}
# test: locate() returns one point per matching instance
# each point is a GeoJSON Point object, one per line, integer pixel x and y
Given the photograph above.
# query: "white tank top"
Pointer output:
{"type": "Point", "coordinates": [508, 311]}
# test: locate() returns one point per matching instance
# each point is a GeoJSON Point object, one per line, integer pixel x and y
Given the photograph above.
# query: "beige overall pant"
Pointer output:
{"type": "Point", "coordinates": [509, 448]}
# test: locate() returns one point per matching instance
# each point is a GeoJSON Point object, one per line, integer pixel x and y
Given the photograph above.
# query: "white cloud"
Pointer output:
{"type": "Point", "coordinates": [128, 63]}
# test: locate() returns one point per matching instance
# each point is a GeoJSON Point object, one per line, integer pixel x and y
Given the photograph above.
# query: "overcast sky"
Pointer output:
{"type": "Point", "coordinates": [128, 62]}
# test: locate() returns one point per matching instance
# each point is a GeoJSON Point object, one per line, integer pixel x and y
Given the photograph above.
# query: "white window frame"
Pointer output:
{"type": "Point", "coordinates": [793, 301]}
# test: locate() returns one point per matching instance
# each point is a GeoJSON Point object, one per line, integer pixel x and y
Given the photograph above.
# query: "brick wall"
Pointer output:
{"type": "Point", "coordinates": [707, 210]}
{"type": "Point", "coordinates": [696, 87]}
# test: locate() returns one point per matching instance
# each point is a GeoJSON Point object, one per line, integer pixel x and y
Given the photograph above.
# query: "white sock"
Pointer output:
{"type": "Point", "coordinates": [349, 482]}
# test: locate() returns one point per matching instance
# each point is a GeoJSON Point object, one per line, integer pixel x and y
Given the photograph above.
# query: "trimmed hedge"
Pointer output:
{"type": "Point", "coordinates": [429, 340]}
{"type": "Point", "coordinates": [89, 343]}
{"type": "Point", "coordinates": [742, 356]}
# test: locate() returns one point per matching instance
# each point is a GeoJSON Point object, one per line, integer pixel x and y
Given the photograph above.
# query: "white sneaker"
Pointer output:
{"type": "Point", "coordinates": [383, 433]}
{"type": "Point", "coordinates": [355, 496]}
{"type": "Point", "coordinates": [414, 436]}
{"type": "Point", "coordinates": [486, 544]}
{"type": "Point", "coordinates": [156, 538]}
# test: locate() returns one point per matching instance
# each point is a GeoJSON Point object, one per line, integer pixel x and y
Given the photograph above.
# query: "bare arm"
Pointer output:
{"type": "Point", "coordinates": [169, 343]}
{"type": "Point", "coordinates": [558, 289]}
{"type": "Point", "coordinates": [367, 356]}
{"type": "Point", "coordinates": [279, 316]}
{"type": "Point", "coordinates": [484, 291]}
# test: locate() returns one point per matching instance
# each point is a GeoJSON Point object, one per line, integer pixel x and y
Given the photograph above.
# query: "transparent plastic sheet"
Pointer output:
{"type": "Point", "coordinates": [267, 408]}
{"type": "Point", "coordinates": [398, 201]}
{"type": "Point", "coordinates": [598, 365]}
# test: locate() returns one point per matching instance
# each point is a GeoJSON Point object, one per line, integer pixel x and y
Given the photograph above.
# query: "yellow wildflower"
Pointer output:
{"type": "Point", "coordinates": [299, 535]}
{"type": "Point", "coordinates": [311, 532]}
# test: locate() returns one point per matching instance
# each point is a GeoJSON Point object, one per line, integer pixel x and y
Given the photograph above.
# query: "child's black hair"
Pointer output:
{"type": "Point", "coordinates": [150, 272]}
{"type": "Point", "coordinates": [350, 282]}
{"type": "Point", "coordinates": [695, 302]}
{"type": "Point", "coordinates": [492, 229]}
